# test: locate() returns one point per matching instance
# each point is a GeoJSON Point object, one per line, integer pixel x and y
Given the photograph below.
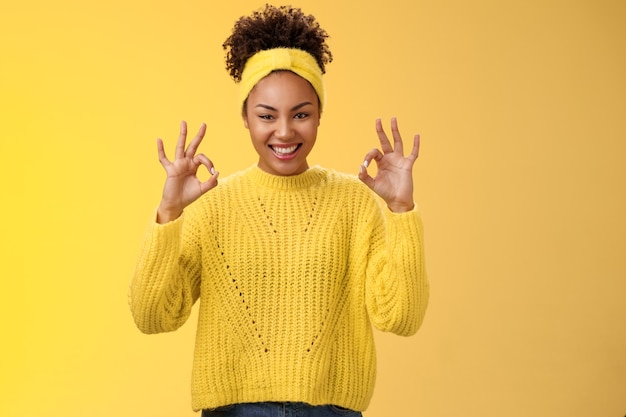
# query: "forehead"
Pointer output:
{"type": "Point", "coordinates": [282, 87]}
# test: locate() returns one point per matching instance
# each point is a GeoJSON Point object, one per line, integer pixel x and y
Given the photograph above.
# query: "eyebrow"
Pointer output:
{"type": "Point", "coordinates": [294, 108]}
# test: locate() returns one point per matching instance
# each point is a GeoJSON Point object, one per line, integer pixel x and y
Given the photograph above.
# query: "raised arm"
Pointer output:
{"type": "Point", "coordinates": [166, 281]}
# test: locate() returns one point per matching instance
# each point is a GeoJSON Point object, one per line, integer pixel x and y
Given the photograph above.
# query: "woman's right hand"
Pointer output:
{"type": "Point", "coordinates": [182, 186]}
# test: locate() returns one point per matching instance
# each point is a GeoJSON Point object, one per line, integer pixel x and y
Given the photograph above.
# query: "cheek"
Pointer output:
{"type": "Point", "coordinates": [258, 132]}
{"type": "Point", "coordinates": [312, 131]}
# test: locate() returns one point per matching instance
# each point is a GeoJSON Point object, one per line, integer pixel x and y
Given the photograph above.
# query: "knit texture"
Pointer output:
{"type": "Point", "coordinates": [291, 273]}
{"type": "Point", "coordinates": [264, 62]}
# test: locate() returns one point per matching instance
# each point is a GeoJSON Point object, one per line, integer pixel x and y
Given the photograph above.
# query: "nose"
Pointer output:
{"type": "Point", "coordinates": [284, 130]}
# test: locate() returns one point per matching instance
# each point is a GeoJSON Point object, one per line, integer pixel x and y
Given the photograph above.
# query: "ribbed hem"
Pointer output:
{"type": "Point", "coordinates": [355, 403]}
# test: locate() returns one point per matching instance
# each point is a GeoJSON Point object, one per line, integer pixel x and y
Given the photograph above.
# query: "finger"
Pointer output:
{"type": "Point", "coordinates": [161, 152]}
{"type": "Point", "coordinates": [382, 137]}
{"type": "Point", "coordinates": [210, 183]}
{"type": "Point", "coordinates": [182, 138]}
{"type": "Point", "coordinates": [202, 159]}
{"type": "Point", "coordinates": [416, 147]}
{"type": "Point", "coordinates": [398, 146]}
{"type": "Point", "coordinates": [364, 176]}
{"type": "Point", "coordinates": [195, 143]}
{"type": "Point", "coordinates": [374, 154]}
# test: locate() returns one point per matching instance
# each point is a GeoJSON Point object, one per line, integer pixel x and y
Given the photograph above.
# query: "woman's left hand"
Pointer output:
{"type": "Point", "coordinates": [394, 179]}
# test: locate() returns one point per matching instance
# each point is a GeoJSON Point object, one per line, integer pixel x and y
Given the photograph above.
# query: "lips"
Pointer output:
{"type": "Point", "coordinates": [285, 151]}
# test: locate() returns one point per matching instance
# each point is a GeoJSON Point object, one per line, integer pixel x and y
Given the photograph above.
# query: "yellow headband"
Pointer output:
{"type": "Point", "coordinates": [261, 64]}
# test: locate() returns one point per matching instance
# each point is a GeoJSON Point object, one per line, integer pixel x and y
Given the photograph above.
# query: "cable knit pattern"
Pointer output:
{"type": "Point", "coordinates": [291, 273]}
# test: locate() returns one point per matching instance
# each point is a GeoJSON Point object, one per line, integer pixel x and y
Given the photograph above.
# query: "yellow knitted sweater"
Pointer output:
{"type": "Point", "coordinates": [291, 273]}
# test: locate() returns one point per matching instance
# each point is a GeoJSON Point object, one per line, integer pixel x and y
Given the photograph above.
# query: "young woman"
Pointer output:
{"type": "Point", "coordinates": [293, 265]}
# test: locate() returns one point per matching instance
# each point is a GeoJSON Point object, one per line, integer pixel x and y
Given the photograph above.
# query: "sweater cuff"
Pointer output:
{"type": "Point", "coordinates": [411, 214]}
{"type": "Point", "coordinates": [166, 231]}
{"type": "Point", "coordinates": [408, 223]}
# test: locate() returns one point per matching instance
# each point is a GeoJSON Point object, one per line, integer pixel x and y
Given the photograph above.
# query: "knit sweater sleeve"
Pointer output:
{"type": "Point", "coordinates": [166, 282]}
{"type": "Point", "coordinates": [397, 288]}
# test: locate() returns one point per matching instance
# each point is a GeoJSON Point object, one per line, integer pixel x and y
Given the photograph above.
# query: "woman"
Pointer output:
{"type": "Point", "coordinates": [293, 265]}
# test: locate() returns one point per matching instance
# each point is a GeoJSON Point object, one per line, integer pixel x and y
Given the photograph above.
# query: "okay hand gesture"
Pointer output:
{"type": "Point", "coordinates": [394, 179]}
{"type": "Point", "coordinates": [182, 186]}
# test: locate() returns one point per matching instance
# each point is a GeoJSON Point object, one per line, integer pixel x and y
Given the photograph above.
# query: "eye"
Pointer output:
{"type": "Point", "coordinates": [301, 115]}
{"type": "Point", "coordinates": [266, 116]}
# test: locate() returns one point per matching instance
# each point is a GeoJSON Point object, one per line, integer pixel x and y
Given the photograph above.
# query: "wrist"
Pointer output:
{"type": "Point", "coordinates": [166, 215]}
{"type": "Point", "coordinates": [401, 207]}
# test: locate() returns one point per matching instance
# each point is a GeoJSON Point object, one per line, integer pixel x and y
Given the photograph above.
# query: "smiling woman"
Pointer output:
{"type": "Point", "coordinates": [282, 114]}
{"type": "Point", "coordinates": [292, 265]}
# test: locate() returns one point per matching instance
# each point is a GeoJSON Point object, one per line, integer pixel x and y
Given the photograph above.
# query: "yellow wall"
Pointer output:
{"type": "Point", "coordinates": [522, 181]}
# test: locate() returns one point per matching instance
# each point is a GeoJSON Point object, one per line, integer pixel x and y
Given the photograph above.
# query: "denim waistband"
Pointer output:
{"type": "Point", "coordinates": [279, 409]}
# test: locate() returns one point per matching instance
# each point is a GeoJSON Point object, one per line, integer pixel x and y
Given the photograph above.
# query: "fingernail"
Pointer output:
{"type": "Point", "coordinates": [212, 171]}
{"type": "Point", "coordinates": [365, 163]}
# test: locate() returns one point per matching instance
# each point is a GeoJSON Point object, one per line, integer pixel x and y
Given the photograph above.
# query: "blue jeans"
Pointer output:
{"type": "Point", "coordinates": [272, 409]}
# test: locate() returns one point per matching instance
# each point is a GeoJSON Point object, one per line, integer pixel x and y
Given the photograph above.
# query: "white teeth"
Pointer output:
{"type": "Point", "coordinates": [285, 151]}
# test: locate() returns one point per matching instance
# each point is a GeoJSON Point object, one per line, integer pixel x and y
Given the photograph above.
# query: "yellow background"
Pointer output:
{"type": "Point", "coordinates": [522, 110]}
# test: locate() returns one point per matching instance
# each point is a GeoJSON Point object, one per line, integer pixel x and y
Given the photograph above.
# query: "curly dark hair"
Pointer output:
{"type": "Point", "coordinates": [275, 27]}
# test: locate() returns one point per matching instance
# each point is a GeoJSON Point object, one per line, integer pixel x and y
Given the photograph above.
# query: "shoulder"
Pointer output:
{"type": "Point", "coordinates": [342, 179]}
{"type": "Point", "coordinates": [234, 181]}
{"type": "Point", "coordinates": [348, 188]}
{"type": "Point", "coordinates": [221, 196]}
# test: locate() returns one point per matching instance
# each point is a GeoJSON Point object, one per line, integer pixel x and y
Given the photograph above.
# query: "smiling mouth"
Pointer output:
{"type": "Point", "coordinates": [285, 150]}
